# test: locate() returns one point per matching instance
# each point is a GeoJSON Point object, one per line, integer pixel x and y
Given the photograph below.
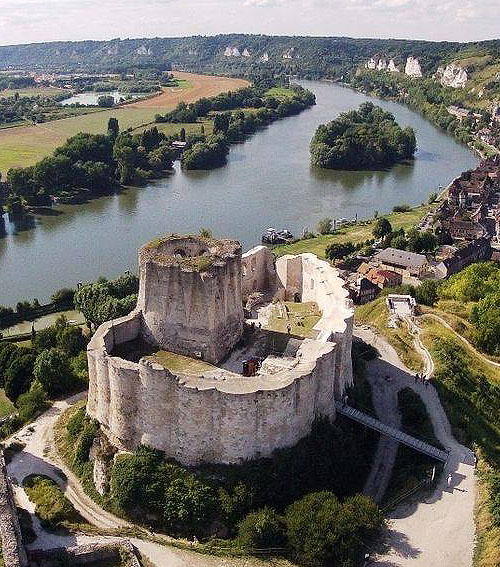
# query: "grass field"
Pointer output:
{"type": "Point", "coordinates": [170, 129]}
{"type": "Point", "coordinates": [356, 234]}
{"type": "Point", "coordinates": [471, 405]}
{"type": "Point", "coordinates": [26, 145]}
{"type": "Point", "coordinates": [42, 91]}
{"type": "Point", "coordinates": [281, 93]}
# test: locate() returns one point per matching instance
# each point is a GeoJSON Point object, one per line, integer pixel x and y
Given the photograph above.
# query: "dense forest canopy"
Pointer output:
{"type": "Point", "coordinates": [368, 138]}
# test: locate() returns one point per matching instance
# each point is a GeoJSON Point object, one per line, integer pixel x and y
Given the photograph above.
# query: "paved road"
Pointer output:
{"type": "Point", "coordinates": [438, 530]}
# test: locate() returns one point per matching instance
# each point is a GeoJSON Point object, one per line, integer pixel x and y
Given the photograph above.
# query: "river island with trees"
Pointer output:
{"type": "Point", "coordinates": [367, 138]}
{"type": "Point", "coordinates": [91, 165]}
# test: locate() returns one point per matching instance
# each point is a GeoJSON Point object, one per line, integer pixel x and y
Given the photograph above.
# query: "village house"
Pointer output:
{"type": "Point", "coordinates": [362, 290]}
{"type": "Point", "coordinates": [384, 278]}
{"type": "Point", "coordinates": [408, 264]}
{"type": "Point", "coordinates": [478, 250]}
{"type": "Point", "coordinates": [458, 112]}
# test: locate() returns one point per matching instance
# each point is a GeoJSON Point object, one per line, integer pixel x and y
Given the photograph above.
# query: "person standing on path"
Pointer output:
{"type": "Point", "coordinates": [449, 480]}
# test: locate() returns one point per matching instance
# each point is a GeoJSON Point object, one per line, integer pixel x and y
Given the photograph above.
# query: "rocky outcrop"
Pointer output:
{"type": "Point", "coordinates": [232, 52]}
{"type": "Point", "coordinates": [392, 67]}
{"type": "Point", "coordinates": [102, 455]}
{"type": "Point", "coordinates": [452, 76]}
{"type": "Point", "coordinates": [381, 65]}
{"type": "Point", "coordinates": [412, 67]}
{"type": "Point", "coordinates": [143, 50]}
{"type": "Point", "coordinates": [371, 64]}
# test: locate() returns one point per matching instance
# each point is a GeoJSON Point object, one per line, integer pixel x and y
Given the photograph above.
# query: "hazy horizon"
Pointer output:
{"type": "Point", "coordinates": [36, 21]}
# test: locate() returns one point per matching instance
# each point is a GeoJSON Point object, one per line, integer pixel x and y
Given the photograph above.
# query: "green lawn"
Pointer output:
{"type": "Point", "coordinates": [376, 315]}
{"type": "Point", "coordinates": [169, 129]}
{"type": "Point", "coordinates": [356, 234]}
{"type": "Point", "coordinates": [300, 316]}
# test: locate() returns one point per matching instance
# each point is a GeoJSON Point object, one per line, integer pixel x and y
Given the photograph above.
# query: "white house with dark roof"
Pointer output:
{"type": "Point", "coordinates": [408, 264]}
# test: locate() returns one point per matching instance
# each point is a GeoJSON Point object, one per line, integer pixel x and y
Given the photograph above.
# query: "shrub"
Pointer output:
{"type": "Point", "coordinates": [401, 208]}
{"type": "Point", "coordinates": [76, 423]}
{"type": "Point", "coordinates": [262, 529]}
{"type": "Point", "coordinates": [32, 403]}
{"type": "Point", "coordinates": [51, 506]}
{"type": "Point", "coordinates": [63, 296]}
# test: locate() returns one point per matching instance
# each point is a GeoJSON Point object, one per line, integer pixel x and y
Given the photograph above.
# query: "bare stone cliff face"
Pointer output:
{"type": "Point", "coordinates": [412, 67]}
{"type": "Point", "coordinates": [452, 76]}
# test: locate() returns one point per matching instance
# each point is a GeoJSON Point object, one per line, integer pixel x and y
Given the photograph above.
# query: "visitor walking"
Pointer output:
{"type": "Point", "coordinates": [449, 480]}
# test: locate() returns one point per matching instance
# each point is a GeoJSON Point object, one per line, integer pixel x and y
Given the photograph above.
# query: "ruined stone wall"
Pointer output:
{"type": "Point", "coordinates": [14, 554]}
{"type": "Point", "coordinates": [315, 280]}
{"type": "Point", "coordinates": [85, 554]}
{"type": "Point", "coordinates": [196, 421]}
{"type": "Point", "coordinates": [191, 312]}
{"type": "Point", "coordinates": [258, 271]}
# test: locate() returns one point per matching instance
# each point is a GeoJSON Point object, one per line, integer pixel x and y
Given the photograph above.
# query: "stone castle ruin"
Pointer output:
{"type": "Point", "coordinates": [193, 373]}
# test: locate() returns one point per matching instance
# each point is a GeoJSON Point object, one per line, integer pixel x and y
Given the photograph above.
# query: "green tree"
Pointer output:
{"type": "Point", "coordinates": [32, 403]}
{"type": "Point", "coordinates": [71, 340]}
{"type": "Point", "coordinates": [53, 371]}
{"type": "Point", "coordinates": [325, 226]}
{"type": "Point", "coordinates": [19, 375]}
{"type": "Point", "coordinates": [427, 292]}
{"type": "Point", "coordinates": [262, 529]}
{"type": "Point", "coordinates": [113, 128]}
{"type": "Point", "coordinates": [381, 228]}
{"type": "Point", "coordinates": [323, 532]}
{"type": "Point", "coordinates": [339, 250]}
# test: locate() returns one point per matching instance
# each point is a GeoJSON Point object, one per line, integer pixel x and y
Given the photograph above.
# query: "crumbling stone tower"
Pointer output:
{"type": "Point", "coordinates": [190, 295]}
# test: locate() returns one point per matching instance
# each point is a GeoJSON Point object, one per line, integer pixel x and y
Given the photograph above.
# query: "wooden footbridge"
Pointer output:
{"type": "Point", "coordinates": [393, 432]}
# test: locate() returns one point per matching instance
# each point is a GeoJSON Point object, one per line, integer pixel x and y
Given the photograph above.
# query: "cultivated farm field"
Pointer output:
{"type": "Point", "coordinates": [25, 145]}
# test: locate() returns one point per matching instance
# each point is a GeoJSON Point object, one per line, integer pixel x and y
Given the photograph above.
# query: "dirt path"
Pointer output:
{"type": "Point", "coordinates": [39, 457]}
{"type": "Point", "coordinates": [463, 339]}
{"type": "Point", "coordinates": [439, 529]}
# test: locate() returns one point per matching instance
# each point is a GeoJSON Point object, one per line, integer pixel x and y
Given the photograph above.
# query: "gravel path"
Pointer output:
{"type": "Point", "coordinates": [39, 457]}
{"type": "Point", "coordinates": [437, 530]}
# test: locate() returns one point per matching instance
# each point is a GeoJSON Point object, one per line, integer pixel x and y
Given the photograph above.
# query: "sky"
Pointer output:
{"type": "Point", "coordinates": [27, 21]}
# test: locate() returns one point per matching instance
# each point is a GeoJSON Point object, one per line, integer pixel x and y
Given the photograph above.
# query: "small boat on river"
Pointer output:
{"type": "Point", "coordinates": [273, 236]}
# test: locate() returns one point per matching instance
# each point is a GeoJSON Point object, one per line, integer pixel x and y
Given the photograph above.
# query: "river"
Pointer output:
{"type": "Point", "coordinates": [268, 181]}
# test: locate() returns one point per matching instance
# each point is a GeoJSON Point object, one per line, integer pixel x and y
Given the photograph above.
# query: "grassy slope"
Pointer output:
{"type": "Point", "coordinates": [357, 233]}
{"type": "Point", "coordinates": [376, 315]}
{"type": "Point", "coordinates": [6, 406]}
{"type": "Point", "coordinates": [471, 425]}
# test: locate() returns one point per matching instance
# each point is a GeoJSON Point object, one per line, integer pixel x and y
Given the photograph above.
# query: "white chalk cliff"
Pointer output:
{"type": "Point", "coordinates": [452, 76]}
{"type": "Point", "coordinates": [392, 67]}
{"type": "Point", "coordinates": [412, 67]}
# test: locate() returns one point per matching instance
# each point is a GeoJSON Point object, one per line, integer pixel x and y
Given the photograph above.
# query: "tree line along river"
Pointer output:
{"type": "Point", "coordinates": [268, 181]}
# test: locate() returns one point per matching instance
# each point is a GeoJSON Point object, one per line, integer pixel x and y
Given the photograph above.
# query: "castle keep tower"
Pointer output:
{"type": "Point", "coordinates": [190, 295]}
